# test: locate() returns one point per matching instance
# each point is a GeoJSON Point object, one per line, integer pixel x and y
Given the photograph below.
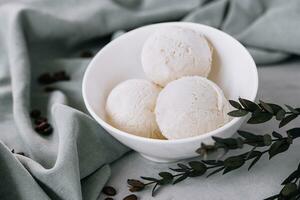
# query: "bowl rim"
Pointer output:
{"type": "Point", "coordinates": [107, 126]}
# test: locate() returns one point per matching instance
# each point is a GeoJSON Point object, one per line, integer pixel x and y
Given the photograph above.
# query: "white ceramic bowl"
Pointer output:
{"type": "Point", "coordinates": [233, 70]}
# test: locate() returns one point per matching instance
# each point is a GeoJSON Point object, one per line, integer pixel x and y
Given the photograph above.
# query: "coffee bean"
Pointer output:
{"type": "Point", "coordinates": [61, 76]}
{"type": "Point", "coordinates": [35, 113]}
{"type": "Point", "coordinates": [108, 198]}
{"type": "Point", "coordinates": [131, 197]}
{"type": "Point", "coordinates": [86, 54]}
{"type": "Point", "coordinates": [46, 79]}
{"type": "Point", "coordinates": [40, 120]}
{"type": "Point", "coordinates": [42, 126]}
{"type": "Point", "coordinates": [37, 130]}
{"type": "Point", "coordinates": [110, 191]}
{"type": "Point", "coordinates": [49, 89]}
{"type": "Point", "coordinates": [47, 131]}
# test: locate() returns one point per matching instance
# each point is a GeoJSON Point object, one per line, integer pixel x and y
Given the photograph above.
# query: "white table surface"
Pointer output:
{"type": "Point", "coordinates": [279, 83]}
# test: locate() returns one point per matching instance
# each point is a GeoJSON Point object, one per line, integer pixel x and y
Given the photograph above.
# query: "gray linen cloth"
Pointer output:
{"type": "Point", "coordinates": [47, 36]}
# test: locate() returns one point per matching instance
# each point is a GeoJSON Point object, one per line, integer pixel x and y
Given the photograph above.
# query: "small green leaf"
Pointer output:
{"type": "Point", "coordinates": [266, 107]}
{"type": "Point", "coordinates": [154, 189]}
{"type": "Point", "coordinates": [196, 173]}
{"type": "Point", "coordinates": [254, 161]}
{"type": "Point", "coordinates": [287, 119]}
{"type": "Point", "coordinates": [183, 166]}
{"type": "Point", "coordinates": [167, 177]}
{"type": "Point", "coordinates": [293, 110]}
{"type": "Point", "coordinates": [229, 143]}
{"type": "Point", "coordinates": [235, 104]}
{"type": "Point", "coordinates": [232, 163]}
{"type": "Point", "coordinates": [275, 107]}
{"type": "Point", "coordinates": [280, 114]}
{"type": "Point", "coordinates": [289, 189]}
{"type": "Point", "coordinates": [178, 170]}
{"type": "Point", "coordinates": [267, 139]}
{"type": "Point", "coordinates": [253, 154]}
{"type": "Point", "coordinates": [247, 135]}
{"type": "Point", "coordinates": [278, 147]}
{"type": "Point", "coordinates": [180, 178]}
{"type": "Point", "coordinates": [197, 166]}
{"type": "Point", "coordinates": [256, 142]}
{"type": "Point", "coordinates": [294, 132]}
{"type": "Point", "coordinates": [229, 169]}
{"type": "Point", "coordinates": [215, 171]}
{"type": "Point", "coordinates": [276, 135]}
{"type": "Point", "coordinates": [239, 142]}
{"type": "Point", "coordinates": [248, 105]}
{"type": "Point", "coordinates": [259, 118]}
{"type": "Point", "coordinates": [238, 113]}
{"type": "Point", "coordinates": [291, 177]}
{"type": "Point", "coordinates": [164, 181]}
{"type": "Point", "coordinates": [149, 178]}
{"type": "Point", "coordinates": [213, 162]}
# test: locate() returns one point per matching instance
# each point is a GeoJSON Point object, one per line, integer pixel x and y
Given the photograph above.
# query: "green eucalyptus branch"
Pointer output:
{"type": "Point", "coordinates": [270, 144]}
{"type": "Point", "coordinates": [274, 143]}
{"type": "Point", "coordinates": [263, 112]}
{"type": "Point", "coordinates": [291, 188]}
{"type": "Point", "coordinates": [260, 113]}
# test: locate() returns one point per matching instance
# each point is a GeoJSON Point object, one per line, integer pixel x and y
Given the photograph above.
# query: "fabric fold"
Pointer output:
{"type": "Point", "coordinates": [38, 37]}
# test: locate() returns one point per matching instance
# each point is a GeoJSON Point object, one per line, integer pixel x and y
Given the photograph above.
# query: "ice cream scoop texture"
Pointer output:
{"type": "Point", "coordinates": [189, 107]}
{"type": "Point", "coordinates": [173, 52]}
{"type": "Point", "coordinates": [130, 107]}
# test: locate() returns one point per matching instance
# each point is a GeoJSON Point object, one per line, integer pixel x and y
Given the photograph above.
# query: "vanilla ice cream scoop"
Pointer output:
{"type": "Point", "coordinates": [190, 106]}
{"type": "Point", "coordinates": [173, 52]}
{"type": "Point", "coordinates": [130, 108]}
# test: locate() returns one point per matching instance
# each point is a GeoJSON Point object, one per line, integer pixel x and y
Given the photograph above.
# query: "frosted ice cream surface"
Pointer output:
{"type": "Point", "coordinates": [189, 107]}
{"type": "Point", "coordinates": [178, 101]}
{"type": "Point", "coordinates": [173, 52]}
{"type": "Point", "coordinates": [130, 108]}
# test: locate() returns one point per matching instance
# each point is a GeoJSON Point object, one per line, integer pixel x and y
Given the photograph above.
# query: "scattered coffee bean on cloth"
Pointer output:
{"type": "Point", "coordinates": [47, 78]}
{"type": "Point", "coordinates": [61, 76]}
{"type": "Point", "coordinates": [40, 120]}
{"type": "Point", "coordinates": [35, 113]}
{"type": "Point", "coordinates": [47, 130]}
{"type": "Point", "coordinates": [110, 191]}
{"type": "Point", "coordinates": [41, 126]}
{"type": "Point", "coordinates": [86, 54]}
{"type": "Point", "coordinates": [50, 89]}
{"type": "Point", "coordinates": [131, 197]}
{"type": "Point", "coordinates": [41, 123]}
